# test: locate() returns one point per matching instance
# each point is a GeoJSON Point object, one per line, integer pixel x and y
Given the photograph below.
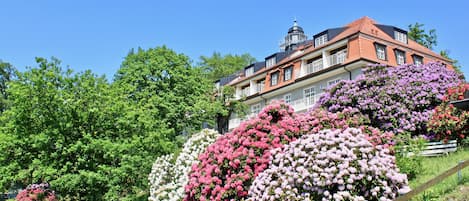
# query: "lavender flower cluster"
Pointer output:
{"type": "Point", "coordinates": [330, 165]}
{"type": "Point", "coordinates": [398, 99]}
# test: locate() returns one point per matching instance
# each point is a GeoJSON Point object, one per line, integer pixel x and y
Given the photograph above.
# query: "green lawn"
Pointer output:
{"type": "Point", "coordinates": [448, 189]}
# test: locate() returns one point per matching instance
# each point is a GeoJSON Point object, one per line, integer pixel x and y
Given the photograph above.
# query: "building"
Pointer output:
{"type": "Point", "coordinates": [303, 68]}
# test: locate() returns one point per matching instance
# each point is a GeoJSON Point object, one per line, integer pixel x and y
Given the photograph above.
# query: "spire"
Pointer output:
{"type": "Point", "coordinates": [295, 36]}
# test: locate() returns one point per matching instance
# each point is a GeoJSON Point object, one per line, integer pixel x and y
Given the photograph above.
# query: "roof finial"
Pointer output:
{"type": "Point", "coordinates": [295, 22]}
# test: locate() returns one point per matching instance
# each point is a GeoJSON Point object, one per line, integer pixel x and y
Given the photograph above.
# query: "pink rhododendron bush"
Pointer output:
{"type": "Point", "coordinates": [169, 174]}
{"type": "Point", "coordinates": [330, 165]}
{"type": "Point", "coordinates": [37, 192]}
{"type": "Point", "coordinates": [229, 166]}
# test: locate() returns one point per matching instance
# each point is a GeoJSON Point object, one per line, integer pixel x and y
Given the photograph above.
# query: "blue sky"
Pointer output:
{"type": "Point", "coordinates": [97, 35]}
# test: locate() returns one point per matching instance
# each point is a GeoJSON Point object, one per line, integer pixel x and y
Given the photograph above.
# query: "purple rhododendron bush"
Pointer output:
{"type": "Point", "coordinates": [229, 166]}
{"type": "Point", "coordinates": [330, 165]}
{"type": "Point", "coordinates": [398, 99]}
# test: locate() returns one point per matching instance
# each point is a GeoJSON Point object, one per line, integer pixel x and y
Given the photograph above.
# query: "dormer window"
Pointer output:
{"type": "Point", "coordinates": [270, 62]}
{"type": "Point", "coordinates": [274, 79]}
{"type": "Point", "coordinates": [418, 60]}
{"type": "Point", "coordinates": [320, 40]}
{"type": "Point", "coordinates": [287, 73]}
{"type": "Point", "coordinates": [400, 36]}
{"type": "Point", "coordinates": [249, 71]}
{"type": "Point", "coordinates": [400, 56]}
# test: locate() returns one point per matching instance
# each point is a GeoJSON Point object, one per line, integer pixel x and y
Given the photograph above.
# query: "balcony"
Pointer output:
{"type": "Point", "coordinates": [337, 58]}
{"type": "Point", "coordinates": [319, 64]}
{"type": "Point", "coordinates": [305, 103]}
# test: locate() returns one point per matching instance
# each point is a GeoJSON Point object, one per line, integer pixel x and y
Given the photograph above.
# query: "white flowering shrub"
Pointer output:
{"type": "Point", "coordinates": [169, 174]}
{"type": "Point", "coordinates": [330, 165]}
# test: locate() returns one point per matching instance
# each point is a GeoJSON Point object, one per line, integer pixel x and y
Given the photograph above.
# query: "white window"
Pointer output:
{"type": "Point", "coordinates": [400, 36]}
{"type": "Point", "coordinates": [270, 62]}
{"type": "Point", "coordinates": [256, 108]}
{"type": "Point", "coordinates": [287, 73]}
{"type": "Point", "coordinates": [400, 57]}
{"type": "Point", "coordinates": [287, 98]}
{"type": "Point", "coordinates": [309, 94]}
{"type": "Point", "coordinates": [380, 51]}
{"type": "Point", "coordinates": [246, 91]}
{"type": "Point", "coordinates": [260, 85]}
{"type": "Point", "coordinates": [333, 82]}
{"type": "Point", "coordinates": [274, 79]}
{"type": "Point", "coordinates": [249, 71]}
{"type": "Point", "coordinates": [418, 60]}
{"type": "Point", "coordinates": [320, 40]}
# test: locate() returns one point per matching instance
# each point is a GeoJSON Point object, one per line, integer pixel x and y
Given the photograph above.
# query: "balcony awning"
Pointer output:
{"type": "Point", "coordinates": [461, 104]}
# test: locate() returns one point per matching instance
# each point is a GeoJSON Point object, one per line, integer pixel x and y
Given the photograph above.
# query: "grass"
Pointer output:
{"type": "Point", "coordinates": [449, 188]}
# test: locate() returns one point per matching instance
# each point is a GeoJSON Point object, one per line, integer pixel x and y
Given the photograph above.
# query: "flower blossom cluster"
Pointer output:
{"type": "Point", "coordinates": [37, 192]}
{"type": "Point", "coordinates": [319, 119]}
{"type": "Point", "coordinates": [330, 165]}
{"type": "Point", "coordinates": [398, 99]}
{"type": "Point", "coordinates": [447, 121]}
{"type": "Point", "coordinates": [228, 166]}
{"type": "Point", "coordinates": [169, 174]}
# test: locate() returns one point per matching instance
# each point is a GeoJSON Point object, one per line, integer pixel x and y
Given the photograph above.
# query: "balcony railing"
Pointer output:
{"type": "Point", "coordinates": [305, 103]}
{"type": "Point", "coordinates": [337, 58]}
{"type": "Point", "coordinates": [319, 64]}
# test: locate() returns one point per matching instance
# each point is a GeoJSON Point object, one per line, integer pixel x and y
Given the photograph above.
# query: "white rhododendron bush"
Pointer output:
{"type": "Point", "coordinates": [169, 174]}
{"type": "Point", "coordinates": [330, 165]}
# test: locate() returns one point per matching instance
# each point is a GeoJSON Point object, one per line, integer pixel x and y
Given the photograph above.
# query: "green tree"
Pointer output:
{"type": "Point", "coordinates": [457, 67]}
{"type": "Point", "coordinates": [7, 73]}
{"type": "Point", "coordinates": [217, 67]}
{"type": "Point", "coordinates": [419, 35]}
{"type": "Point", "coordinates": [429, 40]}
{"type": "Point", "coordinates": [165, 84]}
{"type": "Point", "coordinates": [80, 134]}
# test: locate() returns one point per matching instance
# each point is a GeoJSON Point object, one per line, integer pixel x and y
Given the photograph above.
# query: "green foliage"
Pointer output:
{"type": "Point", "coordinates": [79, 133]}
{"type": "Point", "coordinates": [419, 35]}
{"type": "Point", "coordinates": [7, 73]}
{"type": "Point", "coordinates": [407, 151]}
{"type": "Point", "coordinates": [217, 66]}
{"type": "Point", "coordinates": [434, 166]}
{"type": "Point", "coordinates": [457, 67]}
{"type": "Point", "coordinates": [164, 84]}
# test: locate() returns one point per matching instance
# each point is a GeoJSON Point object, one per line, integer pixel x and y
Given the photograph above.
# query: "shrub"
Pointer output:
{"type": "Point", "coordinates": [407, 152]}
{"type": "Point", "coordinates": [37, 192]}
{"type": "Point", "coordinates": [332, 164]}
{"type": "Point", "coordinates": [447, 121]}
{"type": "Point", "coordinates": [228, 166]}
{"type": "Point", "coordinates": [398, 99]}
{"type": "Point", "coordinates": [169, 174]}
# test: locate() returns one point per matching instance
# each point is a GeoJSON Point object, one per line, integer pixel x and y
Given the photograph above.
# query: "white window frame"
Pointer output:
{"type": "Point", "coordinates": [256, 108]}
{"type": "Point", "coordinates": [287, 98]}
{"type": "Point", "coordinates": [272, 83]}
{"type": "Point", "coordinates": [418, 60]}
{"type": "Point", "coordinates": [249, 71]}
{"type": "Point", "coordinates": [400, 36]}
{"type": "Point", "coordinates": [333, 82]}
{"type": "Point", "coordinates": [380, 51]}
{"type": "Point", "coordinates": [290, 73]}
{"type": "Point", "coordinates": [270, 62]}
{"type": "Point", "coordinates": [309, 94]}
{"type": "Point", "coordinates": [260, 85]}
{"type": "Point", "coordinates": [320, 40]}
{"type": "Point", "coordinates": [400, 57]}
